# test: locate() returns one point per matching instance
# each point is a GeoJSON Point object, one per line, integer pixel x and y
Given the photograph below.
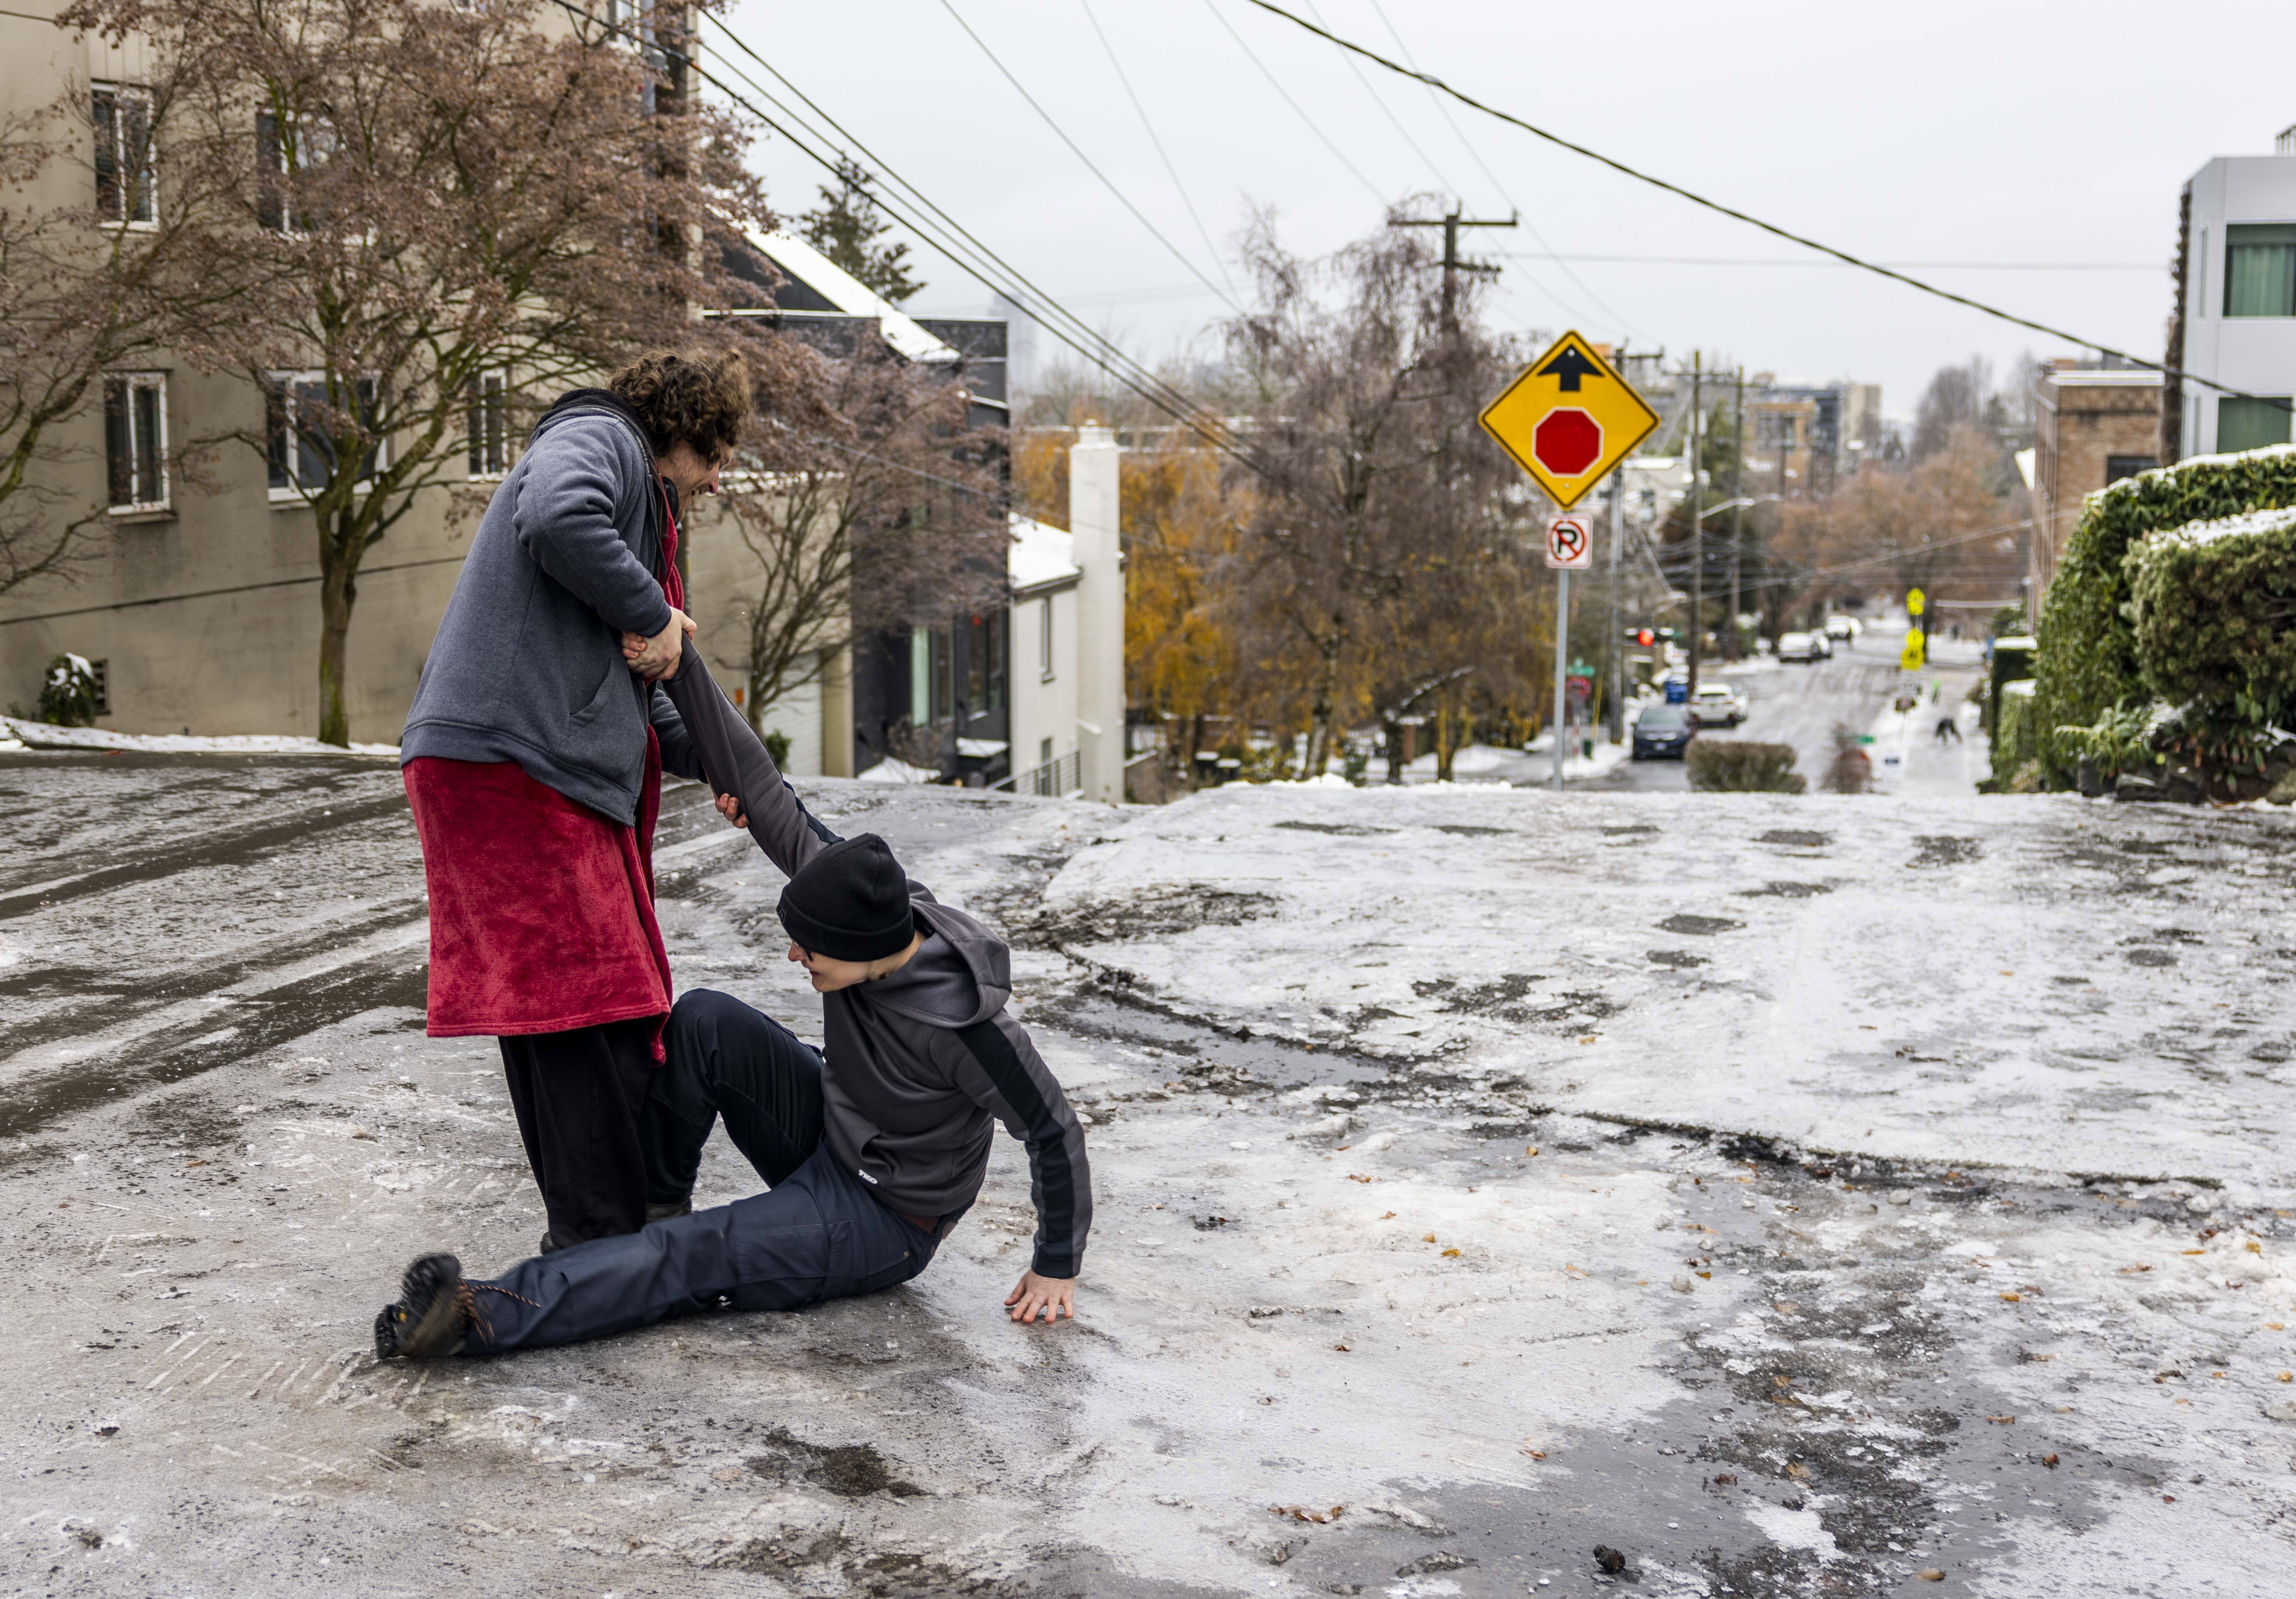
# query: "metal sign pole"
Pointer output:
{"type": "Point", "coordinates": [1562, 658]}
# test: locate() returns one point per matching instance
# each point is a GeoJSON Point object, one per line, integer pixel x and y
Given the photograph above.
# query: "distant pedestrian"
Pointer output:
{"type": "Point", "coordinates": [533, 757]}
{"type": "Point", "coordinates": [1946, 728]}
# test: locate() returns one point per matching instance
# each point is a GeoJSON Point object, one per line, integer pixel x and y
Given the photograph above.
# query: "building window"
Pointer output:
{"type": "Point", "coordinates": [1045, 753]}
{"type": "Point", "coordinates": [2260, 269]}
{"type": "Point", "coordinates": [1045, 638]}
{"type": "Point", "coordinates": [490, 426]}
{"type": "Point", "coordinates": [301, 449]}
{"type": "Point", "coordinates": [2252, 424]}
{"type": "Point", "coordinates": [126, 186]}
{"type": "Point", "coordinates": [136, 440]}
{"type": "Point", "coordinates": [100, 676]}
{"type": "Point", "coordinates": [2116, 467]}
{"type": "Point", "coordinates": [984, 664]}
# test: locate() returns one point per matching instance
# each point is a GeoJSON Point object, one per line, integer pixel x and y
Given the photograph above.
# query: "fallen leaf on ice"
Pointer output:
{"type": "Point", "coordinates": [1356, 1176]}
{"type": "Point", "coordinates": [1387, 1215]}
{"type": "Point", "coordinates": [1797, 1470]}
{"type": "Point", "coordinates": [1930, 1575]}
{"type": "Point", "coordinates": [1301, 1513]}
{"type": "Point", "coordinates": [2126, 1270]}
{"type": "Point", "coordinates": [2011, 1298]}
{"type": "Point", "coordinates": [1342, 1348]}
{"type": "Point", "coordinates": [1707, 1275]}
{"type": "Point", "coordinates": [1450, 1254]}
{"type": "Point", "coordinates": [2194, 1252]}
{"type": "Point", "coordinates": [2255, 1247]}
{"type": "Point", "coordinates": [1574, 1271]}
{"type": "Point", "coordinates": [1533, 1453]}
{"type": "Point", "coordinates": [2287, 1376]}
{"type": "Point", "coordinates": [1430, 1238]}
{"type": "Point", "coordinates": [2001, 1421]}
{"type": "Point", "coordinates": [1530, 1149]}
{"type": "Point", "coordinates": [1589, 1038]}
{"type": "Point", "coordinates": [2049, 1461]}
{"type": "Point", "coordinates": [1726, 1479]}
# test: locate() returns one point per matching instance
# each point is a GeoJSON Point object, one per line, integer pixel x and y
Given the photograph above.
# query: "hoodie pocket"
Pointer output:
{"type": "Point", "coordinates": [596, 708]}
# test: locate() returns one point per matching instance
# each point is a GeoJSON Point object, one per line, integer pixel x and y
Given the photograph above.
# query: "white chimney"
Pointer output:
{"type": "Point", "coordinates": [1093, 524]}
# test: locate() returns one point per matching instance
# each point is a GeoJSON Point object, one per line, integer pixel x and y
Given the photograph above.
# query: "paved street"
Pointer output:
{"type": "Point", "coordinates": [1797, 1194]}
{"type": "Point", "coordinates": [1801, 705]}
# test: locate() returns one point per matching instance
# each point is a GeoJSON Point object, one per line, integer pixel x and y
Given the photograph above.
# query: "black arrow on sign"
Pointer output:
{"type": "Point", "coordinates": [1569, 366]}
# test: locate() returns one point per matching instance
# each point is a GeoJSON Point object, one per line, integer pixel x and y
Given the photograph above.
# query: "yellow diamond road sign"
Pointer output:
{"type": "Point", "coordinates": [1569, 419]}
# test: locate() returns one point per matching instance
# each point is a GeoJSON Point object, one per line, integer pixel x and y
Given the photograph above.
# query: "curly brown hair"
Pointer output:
{"type": "Point", "coordinates": [699, 396]}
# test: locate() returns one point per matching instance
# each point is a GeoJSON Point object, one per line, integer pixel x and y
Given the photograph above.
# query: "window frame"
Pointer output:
{"type": "Point", "coordinates": [492, 453]}
{"type": "Point", "coordinates": [1044, 673]}
{"type": "Point", "coordinates": [111, 158]}
{"type": "Point", "coordinates": [2234, 248]}
{"type": "Point", "coordinates": [125, 386]}
{"type": "Point", "coordinates": [279, 433]}
{"type": "Point", "coordinates": [2240, 408]}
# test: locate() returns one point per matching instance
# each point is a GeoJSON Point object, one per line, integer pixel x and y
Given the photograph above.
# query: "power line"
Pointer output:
{"type": "Point", "coordinates": [1048, 312]}
{"type": "Point", "coordinates": [1751, 221]}
{"type": "Point", "coordinates": [1161, 154]}
{"type": "Point", "coordinates": [1074, 149]}
{"type": "Point", "coordinates": [1608, 309]}
{"type": "Point", "coordinates": [1830, 265]}
{"type": "Point", "coordinates": [1337, 153]}
{"type": "Point", "coordinates": [1393, 120]}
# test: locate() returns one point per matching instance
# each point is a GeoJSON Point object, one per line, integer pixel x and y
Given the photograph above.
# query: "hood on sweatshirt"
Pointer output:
{"type": "Point", "coordinates": [961, 974]}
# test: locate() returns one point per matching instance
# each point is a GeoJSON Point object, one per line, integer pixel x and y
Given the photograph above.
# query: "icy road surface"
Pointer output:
{"type": "Point", "coordinates": [1801, 1196]}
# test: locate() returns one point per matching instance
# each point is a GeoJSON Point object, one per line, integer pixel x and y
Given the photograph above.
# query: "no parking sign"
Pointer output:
{"type": "Point", "coordinates": [1571, 544]}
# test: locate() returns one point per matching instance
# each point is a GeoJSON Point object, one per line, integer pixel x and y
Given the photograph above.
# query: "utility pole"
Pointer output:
{"type": "Point", "coordinates": [1614, 656]}
{"type": "Point", "coordinates": [1452, 265]}
{"type": "Point", "coordinates": [1737, 519]}
{"type": "Point", "coordinates": [1697, 522]}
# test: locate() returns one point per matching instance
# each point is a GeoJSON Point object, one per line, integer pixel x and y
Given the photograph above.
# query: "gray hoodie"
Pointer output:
{"type": "Point", "coordinates": [527, 662]}
{"type": "Point", "coordinates": [921, 1064]}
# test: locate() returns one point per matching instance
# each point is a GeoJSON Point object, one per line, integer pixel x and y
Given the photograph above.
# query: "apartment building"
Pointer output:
{"type": "Point", "coordinates": [2092, 425]}
{"type": "Point", "coordinates": [2236, 318]}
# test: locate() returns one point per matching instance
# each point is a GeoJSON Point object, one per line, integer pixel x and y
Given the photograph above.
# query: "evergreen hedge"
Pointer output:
{"type": "Point", "coordinates": [1742, 767]}
{"type": "Point", "coordinates": [2088, 661]}
{"type": "Point", "coordinates": [2214, 610]}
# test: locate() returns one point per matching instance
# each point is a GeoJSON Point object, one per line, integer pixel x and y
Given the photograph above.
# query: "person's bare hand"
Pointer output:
{"type": "Point", "coordinates": [1053, 1296]}
{"type": "Point", "coordinates": [729, 806]}
{"type": "Point", "coordinates": [656, 659]}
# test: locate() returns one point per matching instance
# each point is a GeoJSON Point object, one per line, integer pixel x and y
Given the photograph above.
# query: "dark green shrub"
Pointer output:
{"type": "Point", "coordinates": [68, 693]}
{"type": "Point", "coordinates": [777, 746]}
{"type": "Point", "coordinates": [2013, 732]}
{"type": "Point", "coordinates": [1737, 767]}
{"type": "Point", "coordinates": [2087, 662]}
{"type": "Point", "coordinates": [2214, 608]}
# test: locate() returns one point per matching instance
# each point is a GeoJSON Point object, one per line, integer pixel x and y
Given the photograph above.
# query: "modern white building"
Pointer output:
{"type": "Point", "coordinates": [2236, 305]}
{"type": "Point", "coordinates": [1068, 637]}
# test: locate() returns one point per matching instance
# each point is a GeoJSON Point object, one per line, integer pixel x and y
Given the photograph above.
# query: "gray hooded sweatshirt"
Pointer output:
{"type": "Point", "coordinates": [527, 662]}
{"type": "Point", "coordinates": [920, 1065]}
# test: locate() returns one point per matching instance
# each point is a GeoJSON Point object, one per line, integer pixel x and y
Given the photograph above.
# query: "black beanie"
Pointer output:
{"type": "Point", "coordinates": [851, 902]}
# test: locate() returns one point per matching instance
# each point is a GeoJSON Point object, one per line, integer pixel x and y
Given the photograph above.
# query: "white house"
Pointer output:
{"type": "Point", "coordinates": [2238, 301]}
{"type": "Point", "coordinates": [1067, 636]}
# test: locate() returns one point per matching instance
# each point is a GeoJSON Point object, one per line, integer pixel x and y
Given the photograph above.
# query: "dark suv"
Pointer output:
{"type": "Point", "coordinates": [1662, 731]}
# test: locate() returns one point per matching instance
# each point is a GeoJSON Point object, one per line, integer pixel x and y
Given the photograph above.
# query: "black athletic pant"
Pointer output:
{"type": "Point", "coordinates": [817, 1234]}
{"type": "Point", "coordinates": [580, 1097]}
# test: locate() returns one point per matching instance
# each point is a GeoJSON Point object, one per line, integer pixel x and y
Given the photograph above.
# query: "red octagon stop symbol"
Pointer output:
{"type": "Point", "coordinates": [1567, 442]}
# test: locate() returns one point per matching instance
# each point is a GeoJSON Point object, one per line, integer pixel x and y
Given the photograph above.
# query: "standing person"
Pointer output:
{"type": "Point", "coordinates": [533, 759]}
{"type": "Point", "coordinates": [870, 1149]}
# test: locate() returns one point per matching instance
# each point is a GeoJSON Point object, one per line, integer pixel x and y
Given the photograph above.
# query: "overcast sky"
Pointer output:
{"type": "Point", "coordinates": [1951, 132]}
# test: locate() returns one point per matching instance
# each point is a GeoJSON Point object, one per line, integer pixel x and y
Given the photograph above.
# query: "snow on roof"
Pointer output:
{"type": "Point", "coordinates": [849, 294]}
{"type": "Point", "coordinates": [1041, 554]}
{"type": "Point", "coordinates": [892, 769]}
{"type": "Point", "coordinates": [41, 736]}
{"type": "Point", "coordinates": [2247, 523]}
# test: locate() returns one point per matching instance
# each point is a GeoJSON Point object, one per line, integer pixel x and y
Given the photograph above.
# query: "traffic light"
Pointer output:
{"type": "Point", "coordinates": [1645, 637]}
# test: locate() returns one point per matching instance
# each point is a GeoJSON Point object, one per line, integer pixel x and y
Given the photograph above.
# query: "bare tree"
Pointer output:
{"type": "Point", "coordinates": [1376, 483]}
{"type": "Point", "coordinates": [427, 220]}
{"type": "Point", "coordinates": [78, 281]}
{"type": "Point", "coordinates": [866, 502]}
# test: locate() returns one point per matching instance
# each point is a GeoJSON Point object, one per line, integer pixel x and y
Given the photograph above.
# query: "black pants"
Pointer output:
{"type": "Point", "coordinates": [580, 1097]}
{"type": "Point", "coordinates": [817, 1234]}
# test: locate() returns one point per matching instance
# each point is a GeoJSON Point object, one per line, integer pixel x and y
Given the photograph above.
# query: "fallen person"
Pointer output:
{"type": "Point", "coordinates": [870, 1149]}
{"type": "Point", "coordinates": [1947, 727]}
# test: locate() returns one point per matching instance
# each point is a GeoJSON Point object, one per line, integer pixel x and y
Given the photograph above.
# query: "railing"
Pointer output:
{"type": "Point", "coordinates": [1062, 774]}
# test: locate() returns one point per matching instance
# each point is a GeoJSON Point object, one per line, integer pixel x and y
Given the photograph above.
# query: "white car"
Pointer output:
{"type": "Point", "coordinates": [1844, 626]}
{"type": "Point", "coordinates": [1800, 646]}
{"type": "Point", "coordinates": [1718, 705]}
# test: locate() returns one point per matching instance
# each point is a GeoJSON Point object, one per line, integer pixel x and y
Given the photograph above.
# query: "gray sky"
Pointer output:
{"type": "Point", "coordinates": [1950, 132]}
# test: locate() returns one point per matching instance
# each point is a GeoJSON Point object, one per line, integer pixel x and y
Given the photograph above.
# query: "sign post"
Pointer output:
{"type": "Point", "coordinates": [1570, 548]}
{"type": "Point", "coordinates": [1567, 420]}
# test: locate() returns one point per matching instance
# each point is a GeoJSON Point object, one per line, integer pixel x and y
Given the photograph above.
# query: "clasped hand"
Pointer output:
{"type": "Point", "coordinates": [656, 659]}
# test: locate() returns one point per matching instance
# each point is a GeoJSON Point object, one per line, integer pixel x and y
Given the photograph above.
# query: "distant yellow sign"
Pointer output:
{"type": "Point", "coordinates": [1569, 419]}
{"type": "Point", "coordinates": [1915, 601]}
{"type": "Point", "coordinates": [1912, 655]}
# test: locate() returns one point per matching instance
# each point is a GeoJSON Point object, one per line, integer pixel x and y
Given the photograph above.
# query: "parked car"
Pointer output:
{"type": "Point", "coordinates": [1825, 644]}
{"type": "Point", "coordinates": [1844, 626]}
{"type": "Point", "coordinates": [1718, 705]}
{"type": "Point", "coordinates": [1661, 731]}
{"type": "Point", "coordinates": [1800, 646]}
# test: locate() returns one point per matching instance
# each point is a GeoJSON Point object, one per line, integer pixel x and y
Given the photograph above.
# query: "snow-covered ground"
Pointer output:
{"type": "Point", "coordinates": [22, 733]}
{"type": "Point", "coordinates": [1798, 1194]}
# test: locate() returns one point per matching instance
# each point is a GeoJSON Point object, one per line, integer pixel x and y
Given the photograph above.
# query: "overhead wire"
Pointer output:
{"type": "Point", "coordinates": [1477, 156]}
{"type": "Point", "coordinates": [1771, 228]}
{"type": "Point", "coordinates": [1077, 149]}
{"type": "Point", "coordinates": [1275, 83]}
{"type": "Point", "coordinates": [958, 244]}
{"type": "Point", "coordinates": [1117, 63]}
